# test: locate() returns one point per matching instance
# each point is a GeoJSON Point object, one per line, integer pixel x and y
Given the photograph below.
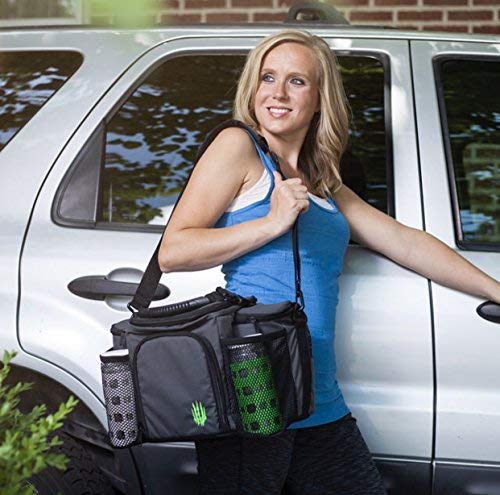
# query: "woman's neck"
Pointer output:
{"type": "Point", "coordinates": [287, 148]}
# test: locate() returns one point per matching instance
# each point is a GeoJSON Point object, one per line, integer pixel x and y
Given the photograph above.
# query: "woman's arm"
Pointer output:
{"type": "Point", "coordinates": [190, 241]}
{"type": "Point", "coordinates": [413, 248]}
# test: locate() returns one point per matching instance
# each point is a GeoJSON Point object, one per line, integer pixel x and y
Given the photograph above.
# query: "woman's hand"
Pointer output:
{"type": "Point", "coordinates": [288, 199]}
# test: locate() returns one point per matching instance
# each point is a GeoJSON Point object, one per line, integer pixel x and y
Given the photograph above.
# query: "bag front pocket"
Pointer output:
{"type": "Point", "coordinates": [260, 384]}
{"type": "Point", "coordinates": [179, 388]}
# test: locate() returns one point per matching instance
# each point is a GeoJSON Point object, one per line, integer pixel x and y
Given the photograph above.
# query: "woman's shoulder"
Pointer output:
{"type": "Point", "coordinates": [232, 147]}
{"type": "Point", "coordinates": [234, 140]}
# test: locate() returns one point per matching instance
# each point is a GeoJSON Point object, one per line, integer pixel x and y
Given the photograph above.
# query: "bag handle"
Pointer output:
{"type": "Point", "coordinates": [149, 282]}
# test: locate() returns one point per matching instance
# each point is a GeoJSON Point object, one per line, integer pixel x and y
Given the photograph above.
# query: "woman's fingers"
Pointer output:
{"type": "Point", "coordinates": [288, 200]}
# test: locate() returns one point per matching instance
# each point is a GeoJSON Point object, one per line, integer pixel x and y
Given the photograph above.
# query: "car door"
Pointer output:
{"type": "Point", "coordinates": [101, 209]}
{"type": "Point", "coordinates": [457, 108]}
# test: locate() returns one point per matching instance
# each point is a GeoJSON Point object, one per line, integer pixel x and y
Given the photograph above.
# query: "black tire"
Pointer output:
{"type": "Point", "coordinates": [82, 476]}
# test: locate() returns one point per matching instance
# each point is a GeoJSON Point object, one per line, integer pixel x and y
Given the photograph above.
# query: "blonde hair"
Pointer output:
{"type": "Point", "coordinates": [328, 132]}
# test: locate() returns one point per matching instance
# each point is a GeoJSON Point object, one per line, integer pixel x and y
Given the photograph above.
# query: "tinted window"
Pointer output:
{"type": "Point", "coordinates": [27, 81]}
{"type": "Point", "coordinates": [151, 142]}
{"type": "Point", "coordinates": [472, 127]}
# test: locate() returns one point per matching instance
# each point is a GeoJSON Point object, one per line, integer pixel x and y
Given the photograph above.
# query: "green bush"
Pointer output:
{"type": "Point", "coordinates": [26, 440]}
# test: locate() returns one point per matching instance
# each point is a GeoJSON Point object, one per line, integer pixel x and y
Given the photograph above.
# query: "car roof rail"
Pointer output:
{"type": "Point", "coordinates": [316, 12]}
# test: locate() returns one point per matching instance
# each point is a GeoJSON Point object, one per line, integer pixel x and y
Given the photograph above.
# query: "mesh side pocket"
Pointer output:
{"type": "Point", "coordinates": [119, 398]}
{"type": "Point", "coordinates": [262, 385]}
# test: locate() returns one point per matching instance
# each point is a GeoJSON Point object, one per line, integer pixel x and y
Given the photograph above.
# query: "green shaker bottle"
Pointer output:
{"type": "Point", "coordinates": [255, 389]}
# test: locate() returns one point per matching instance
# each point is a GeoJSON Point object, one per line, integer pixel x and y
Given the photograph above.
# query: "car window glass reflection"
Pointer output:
{"type": "Point", "coordinates": [152, 141]}
{"type": "Point", "coordinates": [473, 117]}
{"type": "Point", "coordinates": [27, 81]}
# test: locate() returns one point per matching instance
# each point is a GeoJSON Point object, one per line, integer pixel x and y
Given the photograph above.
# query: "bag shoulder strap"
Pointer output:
{"type": "Point", "coordinates": [149, 282]}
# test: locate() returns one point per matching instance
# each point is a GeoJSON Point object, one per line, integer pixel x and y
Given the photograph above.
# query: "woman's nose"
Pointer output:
{"type": "Point", "coordinates": [280, 91]}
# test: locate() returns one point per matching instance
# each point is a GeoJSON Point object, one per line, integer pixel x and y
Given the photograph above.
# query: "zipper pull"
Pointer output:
{"type": "Point", "coordinates": [255, 324]}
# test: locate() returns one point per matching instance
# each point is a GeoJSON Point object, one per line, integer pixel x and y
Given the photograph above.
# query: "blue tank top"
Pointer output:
{"type": "Point", "coordinates": [268, 274]}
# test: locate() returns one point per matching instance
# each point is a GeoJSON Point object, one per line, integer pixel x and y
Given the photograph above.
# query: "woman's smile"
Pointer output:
{"type": "Point", "coordinates": [279, 112]}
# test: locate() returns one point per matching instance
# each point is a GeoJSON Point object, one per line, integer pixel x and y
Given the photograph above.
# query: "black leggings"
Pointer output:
{"type": "Point", "coordinates": [330, 459]}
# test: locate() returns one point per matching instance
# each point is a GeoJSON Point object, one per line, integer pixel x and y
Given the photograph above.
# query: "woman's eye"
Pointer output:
{"type": "Point", "coordinates": [267, 77]}
{"type": "Point", "coordinates": [297, 80]}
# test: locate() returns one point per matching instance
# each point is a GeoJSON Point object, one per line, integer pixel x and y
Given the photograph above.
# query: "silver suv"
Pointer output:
{"type": "Point", "coordinates": [98, 130]}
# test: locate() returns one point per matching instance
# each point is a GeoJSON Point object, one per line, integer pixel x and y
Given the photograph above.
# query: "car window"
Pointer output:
{"type": "Point", "coordinates": [152, 139]}
{"type": "Point", "coordinates": [27, 81]}
{"type": "Point", "coordinates": [470, 111]}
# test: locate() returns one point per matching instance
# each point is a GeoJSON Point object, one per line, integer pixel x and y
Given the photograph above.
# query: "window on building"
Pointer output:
{"type": "Point", "coordinates": [29, 12]}
{"type": "Point", "coordinates": [27, 81]}
{"type": "Point", "coordinates": [151, 142]}
{"type": "Point", "coordinates": [471, 126]}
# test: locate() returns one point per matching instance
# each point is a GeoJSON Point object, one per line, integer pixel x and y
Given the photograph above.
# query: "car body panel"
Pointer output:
{"type": "Point", "coordinates": [467, 364]}
{"type": "Point", "coordinates": [74, 330]}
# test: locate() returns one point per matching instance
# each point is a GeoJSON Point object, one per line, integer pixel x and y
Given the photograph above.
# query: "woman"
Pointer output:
{"type": "Point", "coordinates": [237, 211]}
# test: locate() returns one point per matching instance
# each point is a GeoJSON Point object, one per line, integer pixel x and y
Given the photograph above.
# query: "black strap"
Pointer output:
{"type": "Point", "coordinates": [149, 282]}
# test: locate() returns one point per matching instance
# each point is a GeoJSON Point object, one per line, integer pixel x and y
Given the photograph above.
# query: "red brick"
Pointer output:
{"type": "Point", "coordinates": [204, 4]}
{"type": "Point", "coordinates": [380, 3]}
{"type": "Point", "coordinates": [269, 16]}
{"type": "Point", "coordinates": [470, 15]}
{"type": "Point", "coordinates": [447, 27]}
{"type": "Point", "coordinates": [349, 3]}
{"type": "Point", "coordinates": [252, 3]}
{"type": "Point", "coordinates": [409, 27]}
{"type": "Point", "coordinates": [420, 15]}
{"type": "Point", "coordinates": [370, 16]}
{"type": "Point", "coordinates": [180, 18]}
{"type": "Point", "coordinates": [168, 4]}
{"type": "Point", "coordinates": [486, 2]}
{"type": "Point", "coordinates": [487, 29]}
{"type": "Point", "coordinates": [445, 2]}
{"type": "Point", "coordinates": [226, 17]}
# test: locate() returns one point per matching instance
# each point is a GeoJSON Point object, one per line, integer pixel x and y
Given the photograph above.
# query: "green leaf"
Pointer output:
{"type": "Point", "coordinates": [26, 441]}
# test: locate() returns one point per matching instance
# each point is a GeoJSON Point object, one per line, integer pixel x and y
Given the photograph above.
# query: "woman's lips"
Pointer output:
{"type": "Point", "coordinates": [277, 112]}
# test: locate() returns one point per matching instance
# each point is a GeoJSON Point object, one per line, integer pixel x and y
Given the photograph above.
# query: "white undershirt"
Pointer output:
{"type": "Point", "coordinates": [259, 190]}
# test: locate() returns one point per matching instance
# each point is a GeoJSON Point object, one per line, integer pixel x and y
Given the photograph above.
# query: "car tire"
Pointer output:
{"type": "Point", "coordinates": [82, 475]}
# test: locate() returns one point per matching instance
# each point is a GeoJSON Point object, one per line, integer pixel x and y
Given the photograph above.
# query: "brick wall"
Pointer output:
{"type": "Point", "coordinates": [467, 16]}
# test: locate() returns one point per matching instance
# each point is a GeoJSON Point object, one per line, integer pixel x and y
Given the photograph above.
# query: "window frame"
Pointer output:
{"type": "Point", "coordinates": [380, 56]}
{"type": "Point", "coordinates": [437, 63]}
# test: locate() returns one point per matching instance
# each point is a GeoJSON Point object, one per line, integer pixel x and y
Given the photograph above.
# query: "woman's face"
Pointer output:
{"type": "Point", "coordinates": [287, 96]}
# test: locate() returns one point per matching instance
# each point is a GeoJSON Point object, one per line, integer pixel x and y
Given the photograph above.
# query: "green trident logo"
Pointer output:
{"type": "Point", "coordinates": [199, 413]}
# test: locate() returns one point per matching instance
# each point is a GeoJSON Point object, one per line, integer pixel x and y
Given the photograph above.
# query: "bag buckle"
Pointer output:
{"type": "Point", "coordinates": [236, 298]}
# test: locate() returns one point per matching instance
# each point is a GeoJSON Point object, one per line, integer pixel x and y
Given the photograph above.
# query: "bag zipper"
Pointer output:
{"type": "Point", "coordinates": [220, 398]}
{"type": "Point", "coordinates": [251, 318]}
{"type": "Point", "coordinates": [213, 369]}
{"type": "Point", "coordinates": [158, 321]}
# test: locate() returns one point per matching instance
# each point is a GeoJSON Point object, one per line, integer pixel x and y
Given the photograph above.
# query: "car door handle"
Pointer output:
{"type": "Point", "coordinates": [489, 311]}
{"type": "Point", "coordinates": [98, 287]}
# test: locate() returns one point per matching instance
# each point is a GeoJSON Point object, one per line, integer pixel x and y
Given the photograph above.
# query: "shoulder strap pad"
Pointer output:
{"type": "Point", "coordinates": [149, 282]}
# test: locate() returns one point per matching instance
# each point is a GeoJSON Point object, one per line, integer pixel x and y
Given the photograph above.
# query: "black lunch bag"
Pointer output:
{"type": "Point", "coordinates": [211, 366]}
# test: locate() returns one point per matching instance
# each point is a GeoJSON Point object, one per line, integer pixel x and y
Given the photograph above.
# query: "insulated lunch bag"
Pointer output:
{"type": "Point", "coordinates": [210, 366]}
